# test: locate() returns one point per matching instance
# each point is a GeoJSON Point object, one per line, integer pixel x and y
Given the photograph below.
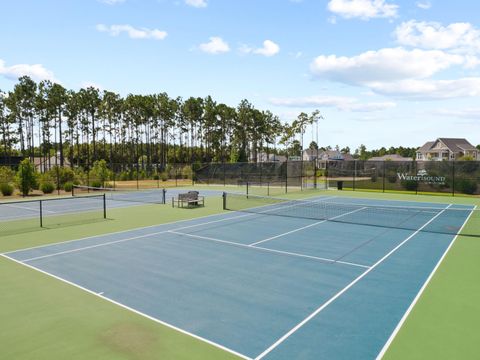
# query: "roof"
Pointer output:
{"type": "Point", "coordinates": [334, 155]}
{"type": "Point", "coordinates": [390, 157]}
{"type": "Point", "coordinates": [453, 144]}
{"type": "Point", "coordinates": [457, 144]}
{"type": "Point", "coordinates": [311, 152]}
{"type": "Point", "coordinates": [427, 146]}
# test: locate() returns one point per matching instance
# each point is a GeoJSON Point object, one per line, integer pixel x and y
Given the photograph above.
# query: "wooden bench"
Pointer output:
{"type": "Point", "coordinates": [190, 199]}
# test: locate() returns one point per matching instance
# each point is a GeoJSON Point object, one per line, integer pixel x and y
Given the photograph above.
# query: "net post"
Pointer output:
{"type": "Point", "coordinates": [224, 200]}
{"type": "Point", "coordinates": [41, 212]}
{"type": "Point", "coordinates": [104, 206]}
{"type": "Point", "coordinates": [164, 196]}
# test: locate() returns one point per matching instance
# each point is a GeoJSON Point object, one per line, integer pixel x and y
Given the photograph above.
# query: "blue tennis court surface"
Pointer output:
{"type": "Point", "coordinates": [263, 286]}
{"type": "Point", "coordinates": [10, 211]}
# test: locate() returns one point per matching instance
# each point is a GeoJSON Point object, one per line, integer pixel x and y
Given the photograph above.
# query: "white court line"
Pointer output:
{"type": "Point", "coordinates": [27, 208]}
{"type": "Point", "coordinates": [422, 289]}
{"type": "Point", "coordinates": [134, 237]}
{"type": "Point", "coordinates": [267, 249]}
{"type": "Point", "coordinates": [132, 309]}
{"type": "Point", "coordinates": [305, 227]}
{"type": "Point", "coordinates": [341, 292]}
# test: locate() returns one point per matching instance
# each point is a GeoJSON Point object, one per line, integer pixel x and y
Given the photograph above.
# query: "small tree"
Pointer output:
{"type": "Point", "coordinates": [100, 172]}
{"type": "Point", "coordinates": [26, 178]}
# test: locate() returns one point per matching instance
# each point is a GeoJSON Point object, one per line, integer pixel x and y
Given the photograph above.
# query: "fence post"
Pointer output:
{"type": "Point", "coordinates": [104, 206]}
{"type": "Point", "coordinates": [224, 174]}
{"type": "Point", "coordinates": [41, 213]}
{"type": "Point", "coordinates": [315, 174]}
{"type": "Point", "coordinates": [415, 171]}
{"type": "Point", "coordinates": [57, 170]}
{"type": "Point", "coordinates": [247, 189]}
{"type": "Point", "coordinates": [286, 175]}
{"type": "Point", "coordinates": [137, 176]}
{"type": "Point", "coordinates": [224, 200]}
{"type": "Point", "coordinates": [326, 174]}
{"type": "Point", "coordinates": [354, 173]}
{"type": "Point", "coordinates": [383, 177]}
{"type": "Point", "coordinates": [453, 178]}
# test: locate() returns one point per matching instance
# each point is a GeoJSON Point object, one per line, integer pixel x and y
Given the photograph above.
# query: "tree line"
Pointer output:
{"type": "Point", "coordinates": [79, 127]}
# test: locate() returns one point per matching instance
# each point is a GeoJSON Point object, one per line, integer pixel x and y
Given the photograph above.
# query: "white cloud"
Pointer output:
{"type": "Point", "coordinates": [413, 89]}
{"type": "Point", "coordinates": [133, 33]}
{"type": "Point", "coordinates": [112, 2]}
{"type": "Point", "coordinates": [425, 5]}
{"type": "Point", "coordinates": [363, 9]}
{"type": "Point", "coordinates": [467, 113]}
{"type": "Point", "coordinates": [216, 45]}
{"type": "Point", "coordinates": [269, 49]}
{"type": "Point", "coordinates": [384, 65]}
{"type": "Point", "coordinates": [36, 72]}
{"type": "Point", "coordinates": [196, 3]}
{"type": "Point", "coordinates": [433, 35]}
{"type": "Point", "coordinates": [341, 103]}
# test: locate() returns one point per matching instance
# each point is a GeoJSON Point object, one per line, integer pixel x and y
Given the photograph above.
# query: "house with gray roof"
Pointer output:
{"type": "Point", "coordinates": [447, 149]}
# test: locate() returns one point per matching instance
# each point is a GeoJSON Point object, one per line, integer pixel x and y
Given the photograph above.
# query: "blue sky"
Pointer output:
{"type": "Point", "coordinates": [382, 72]}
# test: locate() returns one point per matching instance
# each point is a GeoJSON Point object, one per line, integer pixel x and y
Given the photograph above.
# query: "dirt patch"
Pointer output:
{"type": "Point", "coordinates": [131, 340]}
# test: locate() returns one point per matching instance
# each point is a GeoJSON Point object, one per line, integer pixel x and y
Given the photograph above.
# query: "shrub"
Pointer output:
{"type": "Point", "coordinates": [6, 189]}
{"type": "Point", "coordinates": [26, 178]}
{"type": "Point", "coordinates": [124, 176]}
{"type": "Point", "coordinates": [96, 183]}
{"type": "Point", "coordinates": [156, 177]}
{"type": "Point", "coordinates": [68, 186]}
{"type": "Point", "coordinates": [392, 177]}
{"type": "Point", "coordinates": [466, 186]}
{"type": "Point", "coordinates": [61, 175]}
{"type": "Point", "coordinates": [410, 185]}
{"type": "Point", "coordinates": [187, 172]}
{"type": "Point", "coordinates": [7, 175]}
{"type": "Point", "coordinates": [47, 187]}
{"type": "Point", "coordinates": [164, 176]}
{"type": "Point", "coordinates": [100, 172]}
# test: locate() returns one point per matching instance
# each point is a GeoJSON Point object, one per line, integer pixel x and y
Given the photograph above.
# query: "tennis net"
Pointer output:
{"type": "Point", "coordinates": [442, 219]}
{"type": "Point", "coordinates": [27, 215]}
{"type": "Point", "coordinates": [151, 196]}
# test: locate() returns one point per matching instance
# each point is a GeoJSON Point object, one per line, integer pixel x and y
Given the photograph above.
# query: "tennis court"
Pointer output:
{"type": "Point", "coordinates": [328, 277]}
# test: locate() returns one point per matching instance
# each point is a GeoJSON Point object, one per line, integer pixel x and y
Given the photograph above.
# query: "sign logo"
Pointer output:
{"type": "Point", "coordinates": [423, 177]}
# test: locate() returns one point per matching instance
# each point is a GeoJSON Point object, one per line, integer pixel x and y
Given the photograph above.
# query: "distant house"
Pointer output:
{"type": "Point", "coordinates": [324, 155]}
{"type": "Point", "coordinates": [390, 157]}
{"type": "Point", "coordinates": [45, 164]}
{"type": "Point", "coordinates": [447, 149]}
{"type": "Point", "coordinates": [264, 157]}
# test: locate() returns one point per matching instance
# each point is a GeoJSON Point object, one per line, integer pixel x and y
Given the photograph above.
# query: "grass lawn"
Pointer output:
{"type": "Point", "coordinates": [43, 318]}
